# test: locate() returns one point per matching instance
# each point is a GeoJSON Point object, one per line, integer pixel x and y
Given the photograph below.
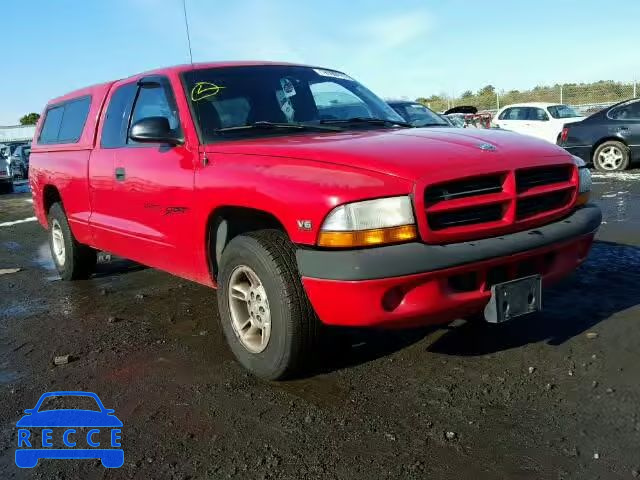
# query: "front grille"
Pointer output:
{"type": "Point", "coordinates": [537, 177]}
{"type": "Point", "coordinates": [496, 203]}
{"type": "Point", "coordinates": [467, 216]}
{"type": "Point", "coordinates": [530, 206]}
{"type": "Point", "coordinates": [464, 188]}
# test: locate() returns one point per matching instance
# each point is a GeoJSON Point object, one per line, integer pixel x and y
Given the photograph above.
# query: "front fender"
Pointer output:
{"type": "Point", "coordinates": [299, 193]}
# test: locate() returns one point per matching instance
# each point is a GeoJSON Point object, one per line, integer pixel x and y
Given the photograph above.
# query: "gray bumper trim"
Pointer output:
{"type": "Point", "coordinates": [412, 258]}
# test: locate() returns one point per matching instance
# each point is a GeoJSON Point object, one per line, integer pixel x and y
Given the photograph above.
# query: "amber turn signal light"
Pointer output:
{"type": "Point", "coordinates": [367, 238]}
{"type": "Point", "coordinates": [583, 198]}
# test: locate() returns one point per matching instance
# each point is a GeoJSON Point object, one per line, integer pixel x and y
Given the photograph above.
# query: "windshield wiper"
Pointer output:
{"type": "Point", "coordinates": [278, 125]}
{"type": "Point", "coordinates": [369, 120]}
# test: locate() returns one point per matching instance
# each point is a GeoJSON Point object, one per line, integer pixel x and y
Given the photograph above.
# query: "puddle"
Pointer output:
{"type": "Point", "coordinates": [11, 246]}
{"type": "Point", "coordinates": [43, 258]}
{"type": "Point", "coordinates": [21, 310]}
{"type": "Point", "coordinates": [21, 187]}
{"type": "Point", "coordinates": [8, 376]}
{"type": "Point", "coordinates": [618, 198]}
{"type": "Point", "coordinates": [618, 206]}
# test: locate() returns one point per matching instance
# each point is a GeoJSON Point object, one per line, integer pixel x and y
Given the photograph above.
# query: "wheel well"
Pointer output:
{"type": "Point", "coordinates": [225, 223]}
{"type": "Point", "coordinates": [606, 139]}
{"type": "Point", "coordinates": [50, 195]}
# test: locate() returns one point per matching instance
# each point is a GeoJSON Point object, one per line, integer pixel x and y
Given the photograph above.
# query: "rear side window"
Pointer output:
{"type": "Point", "coordinates": [116, 120]}
{"type": "Point", "coordinates": [628, 111]}
{"type": "Point", "coordinates": [51, 127]}
{"type": "Point", "coordinates": [64, 123]}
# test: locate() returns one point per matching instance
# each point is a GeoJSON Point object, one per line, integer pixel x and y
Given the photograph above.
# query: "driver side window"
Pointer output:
{"type": "Point", "coordinates": [152, 101]}
{"type": "Point", "coordinates": [336, 102]}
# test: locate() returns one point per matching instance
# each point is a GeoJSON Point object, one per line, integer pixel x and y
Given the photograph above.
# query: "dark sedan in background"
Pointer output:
{"type": "Point", "coordinates": [609, 139]}
{"type": "Point", "coordinates": [417, 114]}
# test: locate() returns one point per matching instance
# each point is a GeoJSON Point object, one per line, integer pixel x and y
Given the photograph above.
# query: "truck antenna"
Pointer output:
{"type": "Point", "coordinates": [205, 159]}
{"type": "Point", "coordinates": [186, 25]}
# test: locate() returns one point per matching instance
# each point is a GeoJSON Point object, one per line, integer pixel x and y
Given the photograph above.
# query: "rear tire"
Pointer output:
{"type": "Point", "coordinates": [260, 295]}
{"type": "Point", "coordinates": [73, 260]}
{"type": "Point", "coordinates": [611, 156]}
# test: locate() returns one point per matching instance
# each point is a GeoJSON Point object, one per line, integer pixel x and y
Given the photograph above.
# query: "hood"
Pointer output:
{"type": "Point", "coordinates": [408, 153]}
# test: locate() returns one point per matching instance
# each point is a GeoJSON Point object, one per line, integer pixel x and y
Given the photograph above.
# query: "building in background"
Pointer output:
{"type": "Point", "coordinates": [17, 133]}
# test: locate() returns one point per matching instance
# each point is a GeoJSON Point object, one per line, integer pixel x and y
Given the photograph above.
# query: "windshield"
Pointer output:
{"type": "Point", "coordinates": [562, 111]}
{"type": "Point", "coordinates": [223, 98]}
{"type": "Point", "coordinates": [418, 115]}
{"type": "Point", "coordinates": [69, 402]}
{"type": "Point", "coordinates": [457, 119]}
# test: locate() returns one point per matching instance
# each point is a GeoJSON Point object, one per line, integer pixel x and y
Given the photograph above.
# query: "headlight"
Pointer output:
{"type": "Point", "coordinates": [370, 222]}
{"type": "Point", "coordinates": [584, 181]}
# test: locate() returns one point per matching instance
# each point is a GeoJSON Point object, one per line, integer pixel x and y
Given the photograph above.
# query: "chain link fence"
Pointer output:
{"type": "Point", "coordinates": [585, 98]}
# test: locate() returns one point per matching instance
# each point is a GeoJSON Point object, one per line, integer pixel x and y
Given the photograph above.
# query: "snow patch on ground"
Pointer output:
{"type": "Point", "coordinates": [16, 222]}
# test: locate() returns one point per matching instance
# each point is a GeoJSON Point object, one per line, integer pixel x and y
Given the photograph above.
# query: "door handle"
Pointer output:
{"type": "Point", "coordinates": [120, 174]}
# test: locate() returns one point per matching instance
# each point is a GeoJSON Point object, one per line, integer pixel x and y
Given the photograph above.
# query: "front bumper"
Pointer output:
{"type": "Point", "coordinates": [418, 284]}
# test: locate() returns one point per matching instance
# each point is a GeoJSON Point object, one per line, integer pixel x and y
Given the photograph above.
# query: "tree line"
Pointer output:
{"type": "Point", "coordinates": [487, 98]}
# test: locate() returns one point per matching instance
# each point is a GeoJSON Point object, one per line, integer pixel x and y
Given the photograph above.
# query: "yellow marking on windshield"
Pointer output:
{"type": "Point", "coordinates": [202, 90]}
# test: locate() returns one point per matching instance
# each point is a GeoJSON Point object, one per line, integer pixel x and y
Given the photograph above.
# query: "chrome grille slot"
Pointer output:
{"type": "Point", "coordinates": [466, 216]}
{"type": "Point", "coordinates": [537, 177]}
{"type": "Point", "coordinates": [468, 187]}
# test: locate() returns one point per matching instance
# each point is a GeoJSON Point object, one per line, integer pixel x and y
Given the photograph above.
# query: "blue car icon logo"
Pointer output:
{"type": "Point", "coordinates": [63, 432]}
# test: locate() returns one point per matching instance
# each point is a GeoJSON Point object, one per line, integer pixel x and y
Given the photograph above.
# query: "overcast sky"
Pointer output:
{"type": "Point", "coordinates": [402, 48]}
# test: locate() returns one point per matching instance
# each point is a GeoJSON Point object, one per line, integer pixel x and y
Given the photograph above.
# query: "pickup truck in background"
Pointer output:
{"type": "Point", "coordinates": [306, 201]}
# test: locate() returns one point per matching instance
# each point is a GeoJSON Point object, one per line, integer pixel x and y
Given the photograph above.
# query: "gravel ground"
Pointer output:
{"type": "Point", "coordinates": [554, 396]}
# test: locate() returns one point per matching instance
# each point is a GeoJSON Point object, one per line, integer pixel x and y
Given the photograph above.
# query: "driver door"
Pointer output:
{"type": "Point", "coordinates": [153, 187]}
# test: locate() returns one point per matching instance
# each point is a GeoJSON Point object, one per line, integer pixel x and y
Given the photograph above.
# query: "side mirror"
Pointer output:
{"type": "Point", "coordinates": [109, 411]}
{"type": "Point", "coordinates": [29, 411]}
{"type": "Point", "coordinates": [154, 130]}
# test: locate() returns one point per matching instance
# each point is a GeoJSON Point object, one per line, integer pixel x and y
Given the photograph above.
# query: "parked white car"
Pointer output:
{"type": "Point", "coordinates": [537, 119]}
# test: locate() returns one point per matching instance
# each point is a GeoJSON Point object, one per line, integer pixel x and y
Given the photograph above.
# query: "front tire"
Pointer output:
{"type": "Point", "coordinates": [611, 156]}
{"type": "Point", "coordinates": [73, 260]}
{"type": "Point", "coordinates": [266, 317]}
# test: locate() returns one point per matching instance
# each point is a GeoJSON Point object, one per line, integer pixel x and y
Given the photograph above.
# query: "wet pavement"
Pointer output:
{"type": "Point", "coordinates": [555, 396]}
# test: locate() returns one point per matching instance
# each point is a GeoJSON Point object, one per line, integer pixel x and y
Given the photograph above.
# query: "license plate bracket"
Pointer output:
{"type": "Point", "coordinates": [513, 299]}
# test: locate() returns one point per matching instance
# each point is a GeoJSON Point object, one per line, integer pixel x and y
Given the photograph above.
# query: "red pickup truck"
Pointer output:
{"type": "Point", "coordinates": [307, 201]}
